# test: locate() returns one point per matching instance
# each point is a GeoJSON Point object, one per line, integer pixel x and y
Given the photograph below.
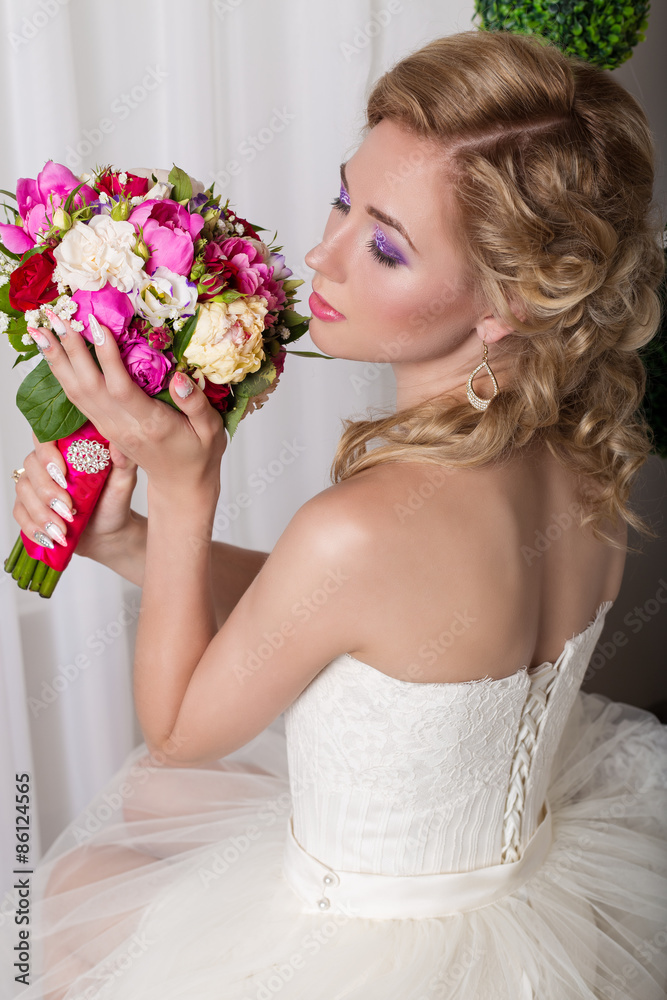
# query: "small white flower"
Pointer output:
{"type": "Point", "coordinates": [4, 322]}
{"type": "Point", "coordinates": [178, 324]}
{"type": "Point", "coordinates": [65, 306]}
{"type": "Point", "coordinates": [32, 317]}
{"type": "Point", "coordinates": [27, 339]}
{"type": "Point", "coordinates": [76, 325]}
{"type": "Point", "coordinates": [3, 280]}
{"type": "Point", "coordinates": [282, 331]}
{"type": "Point", "coordinates": [122, 177]}
{"type": "Point", "coordinates": [239, 229]}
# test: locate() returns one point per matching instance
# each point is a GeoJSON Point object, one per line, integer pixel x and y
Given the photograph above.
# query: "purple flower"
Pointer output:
{"type": "Point", "coordinates": [146, 365]}
{"type": "Point", "coordinates": [169, 233]}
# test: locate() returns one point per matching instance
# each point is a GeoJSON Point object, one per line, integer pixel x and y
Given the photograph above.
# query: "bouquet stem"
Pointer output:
{"type": "Point", "coordinates": [39, 568]}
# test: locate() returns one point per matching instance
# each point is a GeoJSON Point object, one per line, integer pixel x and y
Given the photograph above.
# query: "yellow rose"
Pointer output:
{"type": "Point", "coordinates": [227, 342]}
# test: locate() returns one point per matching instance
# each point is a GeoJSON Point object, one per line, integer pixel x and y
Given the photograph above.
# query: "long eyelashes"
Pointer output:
{"type": "Point", "coordinates": [342, 204]}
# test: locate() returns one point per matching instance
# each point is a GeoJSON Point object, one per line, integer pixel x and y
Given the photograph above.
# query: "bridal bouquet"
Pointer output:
{"type": "Point", "coordinates": [182, 282]}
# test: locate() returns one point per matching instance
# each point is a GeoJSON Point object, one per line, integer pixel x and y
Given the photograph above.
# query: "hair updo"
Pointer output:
{"type": "Point", "coordinates": [552, 171]}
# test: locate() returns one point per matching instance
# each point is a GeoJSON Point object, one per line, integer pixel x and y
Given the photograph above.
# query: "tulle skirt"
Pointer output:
{"type": "Point", "coordinates": [169, 886]}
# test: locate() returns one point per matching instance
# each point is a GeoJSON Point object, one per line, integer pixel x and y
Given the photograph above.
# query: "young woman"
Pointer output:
{"type": "Point", "coordinates": [448, 815]}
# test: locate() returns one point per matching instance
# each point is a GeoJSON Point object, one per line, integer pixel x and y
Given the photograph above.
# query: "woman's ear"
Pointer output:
{"type": "Point", "coordinates": [493, 329]}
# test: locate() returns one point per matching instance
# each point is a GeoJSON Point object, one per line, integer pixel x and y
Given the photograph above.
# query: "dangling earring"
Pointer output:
{"type": "Point", "coordinates": [477, 401]}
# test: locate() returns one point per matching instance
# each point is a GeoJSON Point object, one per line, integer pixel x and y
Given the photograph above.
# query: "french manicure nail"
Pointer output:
{"type": "Point", "coordinates": [43, 539]}
{"type": "Point", "coordinates": [56, 323]}
{"type": "Point", "coordinates": [182, 384]}
{"type": "Point", "coordinates": [61, 508]}
{"type": "Point", "coordinates": [56, 475]}
{"type": "Point", "coordinates": [39, 338]}
{"type": "Point", "coordinates": [54, 531]}
{"type": "Point", "coordinates": [95, 329]}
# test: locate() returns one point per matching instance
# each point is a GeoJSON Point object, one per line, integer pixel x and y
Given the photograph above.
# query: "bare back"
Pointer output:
{"type": "Point", "coordinates": [477, 572]}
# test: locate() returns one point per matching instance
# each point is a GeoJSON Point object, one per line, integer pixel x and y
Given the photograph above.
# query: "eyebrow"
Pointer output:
{"type": "Point", "coordinates": [381, 216]}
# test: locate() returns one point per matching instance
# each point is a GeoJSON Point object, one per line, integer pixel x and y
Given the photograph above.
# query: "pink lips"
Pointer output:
{"type": "Point", "coordinates": [321, 308]}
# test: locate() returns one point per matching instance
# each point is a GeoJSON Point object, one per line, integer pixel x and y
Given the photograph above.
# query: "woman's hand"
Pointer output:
{"type": "Point", "coordinates": [38, 488]}
{"type": "Point", "coordinates": [178, 451]}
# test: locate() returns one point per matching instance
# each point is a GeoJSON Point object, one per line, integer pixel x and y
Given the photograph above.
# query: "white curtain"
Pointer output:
{"type": "Point", "coordinates": [266, 99]}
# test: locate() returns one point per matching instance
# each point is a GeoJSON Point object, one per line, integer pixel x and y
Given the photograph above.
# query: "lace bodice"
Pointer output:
{"type": "Point", "coordinates": [404, 778]}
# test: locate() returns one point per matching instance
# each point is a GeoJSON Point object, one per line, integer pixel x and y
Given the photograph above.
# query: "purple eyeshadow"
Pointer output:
{"type": "Point", "coordinates": [387, 248]}
{"type": "Point", "coordinates": [344, 196]}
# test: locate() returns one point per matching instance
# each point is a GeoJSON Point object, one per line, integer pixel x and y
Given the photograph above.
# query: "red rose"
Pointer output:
{"type": "Point", "coordinates": [30, 284]}
{"type": "Point", "coordinates": [134, 187]}
{"type": "Point", "coordinates": [217, 395]}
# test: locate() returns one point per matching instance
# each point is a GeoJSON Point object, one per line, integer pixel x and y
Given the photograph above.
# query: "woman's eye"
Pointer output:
{"type": "Point", "coordinates": [342, 202]}
{"type": "Point", "coordinates": [379, 255]}
{"type": "Point", "coordinates": [340, 205]}
{"type": "Point", "coordinates": [377, 246]}
{"type": "Point", "coordinates": [383, 251]}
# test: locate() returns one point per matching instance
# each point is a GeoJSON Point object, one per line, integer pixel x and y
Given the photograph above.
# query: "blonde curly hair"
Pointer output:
{"type": "Point", "coordinates": [553, 166]}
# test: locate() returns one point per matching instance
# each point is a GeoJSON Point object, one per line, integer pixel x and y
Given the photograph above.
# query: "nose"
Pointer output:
{"type": "Point", "coordinates": [326, 260]}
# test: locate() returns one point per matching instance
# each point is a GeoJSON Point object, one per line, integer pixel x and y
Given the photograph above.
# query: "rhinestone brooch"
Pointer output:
{"type": "Point", "coordinates": [85, 455]}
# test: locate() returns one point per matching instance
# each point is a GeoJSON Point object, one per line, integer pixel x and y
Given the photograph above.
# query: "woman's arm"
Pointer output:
{"type": "Point", "coordinates": [201, 691]}
{"type": "Point", "coordinates": [115, 536]}
{"type": "Point", "coordinates": [233, 568]}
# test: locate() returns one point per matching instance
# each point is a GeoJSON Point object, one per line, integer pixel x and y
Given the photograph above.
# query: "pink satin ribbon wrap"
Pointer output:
{"type": "Point", "coordinates": [84, 489]}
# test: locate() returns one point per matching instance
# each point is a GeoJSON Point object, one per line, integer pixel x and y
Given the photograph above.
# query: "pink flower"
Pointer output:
{"type": "Point", "coordinates": [110, 307]}
{"type": "Point", "coordinates": [252, 272]}
{"type": "Point", "coordinates": [37, 201]}
{"type": "Point", "coordinates": [146, 366]}
{"type": "Point", "coordinates": [169, 233]}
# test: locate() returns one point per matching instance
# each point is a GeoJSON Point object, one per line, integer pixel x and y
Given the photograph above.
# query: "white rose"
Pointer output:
{"type": "Point", "coordinates": [227, 342]}
{"type": "Point", "coordinates": [164, 295]}
{"type": "Point", "coordinates": [95, 252]}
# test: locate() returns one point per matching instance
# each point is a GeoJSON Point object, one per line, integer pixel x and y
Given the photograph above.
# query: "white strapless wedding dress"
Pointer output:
{"type": "Point", "coordinates": [488, 840]}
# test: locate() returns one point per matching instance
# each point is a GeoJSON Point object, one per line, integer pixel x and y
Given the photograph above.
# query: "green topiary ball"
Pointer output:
{"type": "Point", "coordinates": [602, 32]}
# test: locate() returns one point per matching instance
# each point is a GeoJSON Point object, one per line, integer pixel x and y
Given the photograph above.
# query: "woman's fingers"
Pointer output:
{"type": "Point", "coordinates": [206, 421]}
{"type": "Point", "coordinates": [41, 504]}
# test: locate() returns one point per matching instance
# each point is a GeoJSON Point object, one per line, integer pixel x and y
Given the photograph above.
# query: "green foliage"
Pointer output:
{"type": "Point", "coordinates": [251, 385]}
{"type": "Point", "coordinates": [601, 32]}
{"type": "Point", "coordinates": [182, 185]}
{"type": "Point", "coordinates": [43, 403]}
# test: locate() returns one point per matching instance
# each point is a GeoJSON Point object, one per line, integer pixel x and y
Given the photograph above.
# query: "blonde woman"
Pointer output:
{"type": "Point", "coordinates": [446, 814]}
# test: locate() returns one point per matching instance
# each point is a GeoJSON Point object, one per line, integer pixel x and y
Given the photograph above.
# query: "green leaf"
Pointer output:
{"type": "Point", "coordinates": [4, 302]}
{"type": "Point", "coordinates": [251, 386]}
{"type": "Point", "coordinates": [10, 194]}
{"type": "Point", "coordinates": [41, 400]}
{"type": "Point", "coordinates": [71, 196]}
{"type": "Point", "coordinates": [291, 318]}
{"type": "Point", "coordinates": [296, 332]}
{"type": "Point", "coordinates": [182, 336]}
{"type": "Point", "coordinates": [231, 295]}
{"type": "Point", "coordinates": [15, 332]}
{"type": "Point", "coordinates": [311, 354]}
{"type": "Point", "coordinates": [182, 185]}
